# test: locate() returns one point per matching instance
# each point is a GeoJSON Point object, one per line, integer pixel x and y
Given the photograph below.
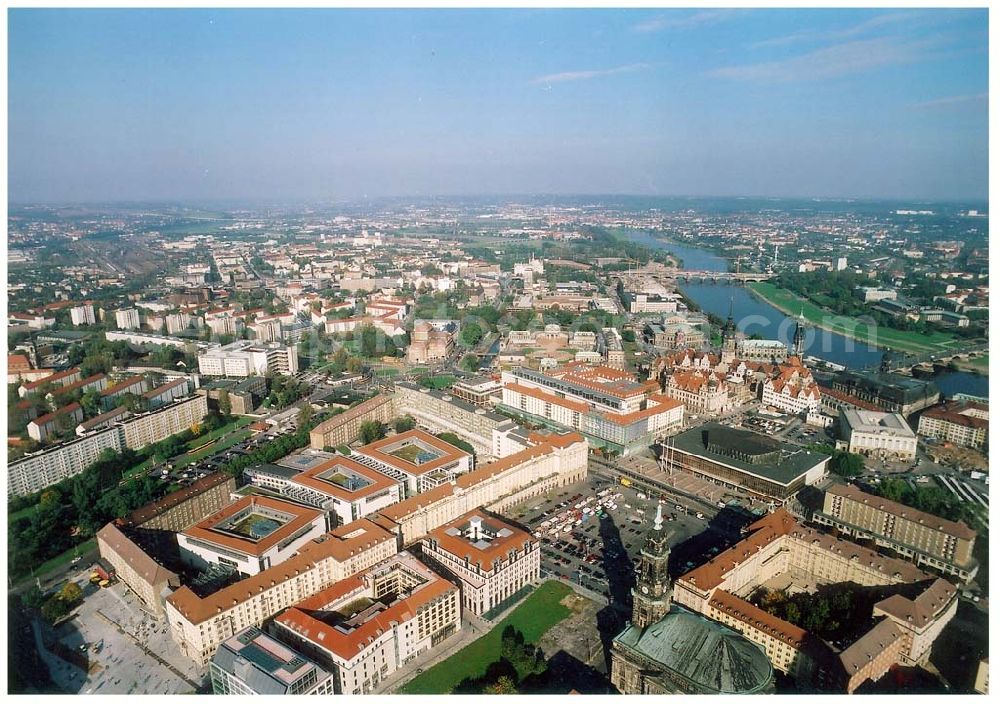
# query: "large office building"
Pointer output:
{"type": "Point", "coordinates": [744, 461]}
{"type": "Point", "coordinates": [447, 411]}
{"type": "Point", "coordinates": [36, 471]}
{"type": "Point", "coordinates": [924, 538]}
{"type": "Point", "coordinates": [415, 458]}
{"type": "Point", "coordinates": [343, 428]}
{"type": "Point", "coordinates": [777, 550]}
{"type": "Point", "coordinates": [250, 535]}
{"type": "Point", "coordinates": [246, 358]}
{"type": "Point", "coordinates": [876, 434]}
{"type": "Point", "coordinates": [608, 406]}
{"type": "Point", "coordinates": [82, 314]}
{"type": "Point", "coordinates": [964, 423]}
{"type": "Point", "coordinates": [893, 393]}
{"type": "Point", "coordinates": [154, 525]}
{"type": "Point", "coordinates": [550, 462]}
{"type": "Point", "coordinates": [341, 486]}
{"type": "Point", "coordinates": [127, 319]}
{"type": "Point", "coordinates": [492, 559]}
{"type": "Point", "coordinates": [146, 428]}
{"type": "Point", "coordinates": [141, 573]}
{"type": "Point", "coordinates": [367, 626]}
{"type": "Point", "coordinates": [199, 622]}
{"type": "Point", "coordinates": [252, 662]}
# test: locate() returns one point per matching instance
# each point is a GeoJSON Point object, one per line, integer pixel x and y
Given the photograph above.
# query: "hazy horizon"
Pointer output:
{"type": "Point", "coordinates": [131, 106]}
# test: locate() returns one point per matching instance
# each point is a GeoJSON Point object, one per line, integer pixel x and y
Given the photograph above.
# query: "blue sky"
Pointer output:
{"type": "Point", "coordinates": [175, 104]}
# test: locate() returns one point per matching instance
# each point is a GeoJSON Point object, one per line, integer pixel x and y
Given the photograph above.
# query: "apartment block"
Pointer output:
{"type": "Point", "coordinates": [928, 540]}
{"type": "Point", "coordinates": [364, 628]}
{"type": "Point", "coordinates": [492, 559]}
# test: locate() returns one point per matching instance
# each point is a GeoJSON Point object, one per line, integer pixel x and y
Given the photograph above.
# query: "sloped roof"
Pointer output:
{"type": "Point", "coordinates": [713, 658]}
{"type": "Point", "coordinates": [145, 566]}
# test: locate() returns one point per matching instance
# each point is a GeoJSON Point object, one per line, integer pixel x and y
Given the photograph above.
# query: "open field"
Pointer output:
{"type": "Point", "coordinates": [238, 436]}
{"type": "Point", "coordinates": [539, 612]}
{"type": "Point", "coordinates": [911, 342]}
{"type": "Point", "coordinates": [441, 381]}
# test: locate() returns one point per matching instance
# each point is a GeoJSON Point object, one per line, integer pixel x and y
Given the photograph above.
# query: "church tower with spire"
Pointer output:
{"type": "Point", "coordinates": [729, 337]}
{"type": "Point", "coordinates": [651, 594]}
{"type": "Point", "coordinates": [799, 337]}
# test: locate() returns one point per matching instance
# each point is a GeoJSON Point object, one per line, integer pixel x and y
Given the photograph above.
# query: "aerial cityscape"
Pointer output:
{"type": "Point", "coordinates": [498, 352]}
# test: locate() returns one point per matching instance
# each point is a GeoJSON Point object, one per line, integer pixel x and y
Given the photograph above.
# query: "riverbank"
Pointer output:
{"type": "Point", "coordinates": [910, 342]}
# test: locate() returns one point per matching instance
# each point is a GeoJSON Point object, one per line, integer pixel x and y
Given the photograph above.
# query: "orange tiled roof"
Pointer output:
{"type": "Point", "coordinates": [336, 545]}
{"type": "Point", "coordinates": [485, 557]}
{"type": "Point", "coordinates": [349, 645]}
{"type": "Point", "coordinates": [450, 453]}
{"type": "Point", "coordinates": [205, 529]}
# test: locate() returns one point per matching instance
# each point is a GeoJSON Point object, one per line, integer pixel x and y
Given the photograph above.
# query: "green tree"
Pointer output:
{"type": "Point", "coordinates": [470, 362]}
{"type": "Point", "coordinates": [371, 431]}
{"type": "Point", "coordinates": [54, 609]}
{"type": "Point", "coordinates": [305, 415]}
{"type": "Point", "coordinates": [405, 423]}
{"type": "Point", "coordinates": [90, 402]}
{"type": "Point", "coordinates": [504, 685]}
{"type": "Point", "coordinates": [472, 334]}
{"type": "Point", "coordinates": [847, 464]}
{"type": "Point", "coordinates": [71, 593]}
{"type": "Point", "coordinates": [225, 405]}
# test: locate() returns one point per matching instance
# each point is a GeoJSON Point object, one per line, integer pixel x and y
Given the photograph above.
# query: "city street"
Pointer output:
{"type": "Point", "coordinates": [135, 656]}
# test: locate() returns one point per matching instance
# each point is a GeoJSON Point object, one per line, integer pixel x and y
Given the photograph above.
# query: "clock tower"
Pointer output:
{"type": "Point", "coordinates": [651, 594]}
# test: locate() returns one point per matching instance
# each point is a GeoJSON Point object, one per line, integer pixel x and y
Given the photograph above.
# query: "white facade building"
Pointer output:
{"type": "Point", "coordinates": [493, 560]}
{"type": "Point", "coordinates": [127, 319]}
{"type": "Point", "coordinates": [82, 315]}
{"type": "Point", "coordinates": [876, 434]}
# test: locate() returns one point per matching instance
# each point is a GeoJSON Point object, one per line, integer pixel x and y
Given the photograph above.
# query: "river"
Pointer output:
{"type": "Point", "coordinates": [753, 315]}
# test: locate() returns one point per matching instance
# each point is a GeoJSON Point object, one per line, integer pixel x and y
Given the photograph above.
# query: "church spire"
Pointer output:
{"type": "Point", "coordinates": [651, 594]}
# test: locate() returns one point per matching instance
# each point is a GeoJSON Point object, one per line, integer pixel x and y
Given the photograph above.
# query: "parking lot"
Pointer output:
{"type": "Point", "coordinates": [129, 650]}
{"type": "Point", "coordinates": [582, 545]}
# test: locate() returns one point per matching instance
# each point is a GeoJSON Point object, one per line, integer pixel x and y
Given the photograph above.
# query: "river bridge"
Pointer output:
{"type": "Point", "coordinates": [719, 277]}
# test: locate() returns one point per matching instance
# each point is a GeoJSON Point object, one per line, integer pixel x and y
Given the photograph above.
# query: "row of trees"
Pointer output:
{"type": "Point", "coordinates": [276, 449]}
{"type": "Point", "coordinates": [931, 499]}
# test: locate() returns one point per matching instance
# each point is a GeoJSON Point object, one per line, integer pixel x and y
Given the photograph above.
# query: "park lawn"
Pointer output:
{"type": "Point", "coordinates": [219, 432]}
{"type": "Point", "coordinates": [62, 559]}
{"type": "Point", "coordinates": [23, 513]}
{"type": "Point", "coordinates": [387, 371]}
{"type": "Point", "coordinates": [138, 470]}
{"type": "Point", "coordinates": [539, 612]}
{"type": "Point", "coordinates": [441, 381]}
{"type": "Point", "coordinates": [902, 340]}
{"type": "Point", "coordinates": [238, 436]}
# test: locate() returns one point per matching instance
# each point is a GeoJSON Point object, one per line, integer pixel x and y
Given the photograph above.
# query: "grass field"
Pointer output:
{"type": "Point", "coordinates": [912, 342]}
{"type": "Point", "coordinates": [62, 559]}
{"type": "Point", "coordinates": [236, 437]}
{"type": "Point", "coordinates": [441, 381]}
{"type": "Point", "coordinates": [539, 612]}
{"type": "Point", "coordinates": [219, 432]}
{"type": "Point", "coordinates": [23, 513]}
